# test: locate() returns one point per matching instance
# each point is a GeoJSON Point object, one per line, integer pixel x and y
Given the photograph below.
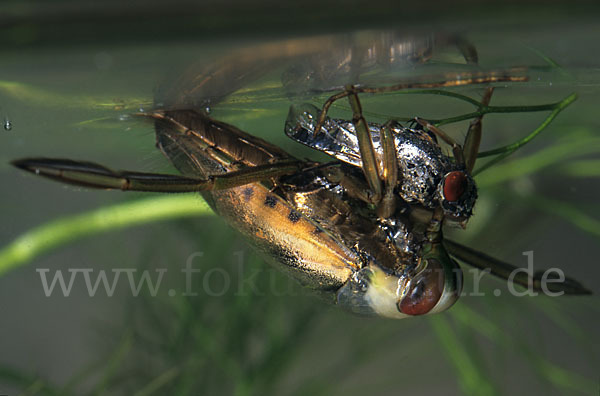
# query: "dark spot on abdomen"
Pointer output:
{"type": "Point", "coordinates": [270, 201]}
{"type": "Point", "coordinates": [248, 192]}
{"type": "Point", "coordinates": [294, 216]}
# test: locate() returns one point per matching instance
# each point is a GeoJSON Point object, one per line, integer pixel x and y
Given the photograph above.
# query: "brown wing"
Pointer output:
{"type": "Point", "coordinates": [197, 144]}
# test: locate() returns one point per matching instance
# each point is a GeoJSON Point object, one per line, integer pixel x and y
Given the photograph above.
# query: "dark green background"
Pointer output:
{"type": "Point", "coordinates": [79, 59]}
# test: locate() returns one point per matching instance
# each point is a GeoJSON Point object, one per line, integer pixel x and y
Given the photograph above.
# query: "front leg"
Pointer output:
{"type": "Point", "coordinates": [387, 206]}
{"type": "Point", "coordinates": [354, 186]}
{"type": "Point", "coordinates": [384, 197]}
{"type": "Point", "coordinates": [365, 146]}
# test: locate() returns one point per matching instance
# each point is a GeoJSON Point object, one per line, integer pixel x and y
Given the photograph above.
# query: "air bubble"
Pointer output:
{"type": "Point", "coordinates": [7, 124]}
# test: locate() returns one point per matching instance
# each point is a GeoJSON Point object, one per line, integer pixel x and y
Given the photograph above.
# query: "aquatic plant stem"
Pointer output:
{"type": "Point", "coordinates": [59, 232]}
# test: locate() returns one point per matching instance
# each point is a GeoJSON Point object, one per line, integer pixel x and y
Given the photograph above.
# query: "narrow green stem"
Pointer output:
{"type": "Point", "coordinates": [556, 109]}
{"type": "Point", "coordinates": [482, 110]}
{"type": "Point", "coordinates": [163, 379]}
{"type": "Point", "coordinates": [507, 150]}
{"type": "Point", "coordinates": [58, 232]}
{"type": "Point", "coordinates": [471, 378]}
{"type": "Point", "coordinates": [490, 163]}
{"type": "Point", "coordinates": [441, 93]}
{"type": "Point", "coordinates": [451, 120]}
{"type": "Point", "coordinates": [560, 153]}
{"type": "Point", "coordinates": [551, 372]}
{"type": "Point", "coordinates": [506, 109]}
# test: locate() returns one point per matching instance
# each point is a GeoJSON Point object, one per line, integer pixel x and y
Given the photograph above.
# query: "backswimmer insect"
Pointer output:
{"type": "Point", "coordinates": [365, 228]}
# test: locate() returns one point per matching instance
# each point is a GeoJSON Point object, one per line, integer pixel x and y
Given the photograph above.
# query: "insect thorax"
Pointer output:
{"type": "Point", "coordinates": [421, 163]}
{"type": "Point", "coordinates": [389, 242]}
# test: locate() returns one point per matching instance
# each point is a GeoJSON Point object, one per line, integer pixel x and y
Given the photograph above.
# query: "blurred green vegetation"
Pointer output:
{"type": "Point", "coordinates": [292, 343]}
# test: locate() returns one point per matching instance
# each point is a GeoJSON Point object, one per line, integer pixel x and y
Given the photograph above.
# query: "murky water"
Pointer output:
{"type": "Point", "coordinates": [75, 102]}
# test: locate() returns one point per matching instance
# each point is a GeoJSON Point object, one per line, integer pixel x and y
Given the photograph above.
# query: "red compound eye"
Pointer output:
{"type": "Point", "coordinates": [426, 292]}
{"type": "Point", "coordinates": [455, 185]}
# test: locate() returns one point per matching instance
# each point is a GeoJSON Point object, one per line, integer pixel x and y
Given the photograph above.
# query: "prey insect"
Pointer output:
{"type": "Point", "coordinates": [365, 228]}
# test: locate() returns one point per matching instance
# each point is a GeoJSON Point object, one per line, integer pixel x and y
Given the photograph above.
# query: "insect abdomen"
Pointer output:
{"type": "Point", "coordinates": [199, 146]}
